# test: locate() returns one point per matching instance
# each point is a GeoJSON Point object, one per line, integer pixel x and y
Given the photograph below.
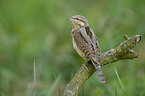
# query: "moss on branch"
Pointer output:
{"type": "Point", "coordinates": [121, 52]}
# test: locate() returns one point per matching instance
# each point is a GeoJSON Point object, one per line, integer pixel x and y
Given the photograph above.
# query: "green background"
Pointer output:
{"type": "Point", "coordinates": [38, 30]}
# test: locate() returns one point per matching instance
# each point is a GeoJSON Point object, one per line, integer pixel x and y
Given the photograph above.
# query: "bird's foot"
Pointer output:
{"type": "Point", "coordinates": [85, 67]}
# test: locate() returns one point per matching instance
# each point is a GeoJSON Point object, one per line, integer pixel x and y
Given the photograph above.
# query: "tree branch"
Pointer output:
{"type": "Point", "coordinates": [121, 52]}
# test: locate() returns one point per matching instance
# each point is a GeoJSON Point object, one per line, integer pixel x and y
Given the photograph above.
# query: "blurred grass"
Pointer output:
{"type": "Point", "coordinates": [38, 29]}
{"type": "Point", "coordinates": [34, 89]}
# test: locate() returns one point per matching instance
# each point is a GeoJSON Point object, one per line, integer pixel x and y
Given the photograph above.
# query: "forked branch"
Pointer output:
{"type": "Point", "coordinates": [123, 51]}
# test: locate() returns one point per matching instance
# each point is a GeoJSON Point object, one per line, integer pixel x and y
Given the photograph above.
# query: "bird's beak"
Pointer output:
{"type": "Point", "coordinates": [69, 19]}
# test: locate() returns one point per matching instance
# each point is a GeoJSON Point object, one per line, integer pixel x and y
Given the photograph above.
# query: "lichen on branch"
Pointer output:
{"type": "Point", "coordinates": [123, 51]}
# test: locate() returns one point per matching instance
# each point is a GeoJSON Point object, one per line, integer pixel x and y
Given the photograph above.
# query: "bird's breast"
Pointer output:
{"type": "Point", "coordinates": [77, 49]}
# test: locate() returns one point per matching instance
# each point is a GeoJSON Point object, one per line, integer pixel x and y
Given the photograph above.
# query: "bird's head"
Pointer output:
{"type": "Point", "coordinates": [78, 21]}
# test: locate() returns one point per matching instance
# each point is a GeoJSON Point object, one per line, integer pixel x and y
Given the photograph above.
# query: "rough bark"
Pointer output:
{"type": "Point", "coordinates": [123, 51]}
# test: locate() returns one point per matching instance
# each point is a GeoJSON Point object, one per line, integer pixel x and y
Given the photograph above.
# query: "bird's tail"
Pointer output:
{"type": "Point", "coordinates": [100, 72]}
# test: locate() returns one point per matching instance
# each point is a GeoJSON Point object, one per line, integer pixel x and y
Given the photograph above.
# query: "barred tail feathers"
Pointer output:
{"type": "Point", "coordinates": [100, 72]}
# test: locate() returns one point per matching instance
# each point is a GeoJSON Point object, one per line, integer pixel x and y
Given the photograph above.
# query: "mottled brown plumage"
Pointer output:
{"type": "Point", "coordinates": [86, 43]}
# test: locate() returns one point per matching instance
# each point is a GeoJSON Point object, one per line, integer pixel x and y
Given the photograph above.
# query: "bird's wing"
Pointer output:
{"type": "Point", "coordinates": [97, 53]}
{"type": "Point", "coordinates": [95, 43]}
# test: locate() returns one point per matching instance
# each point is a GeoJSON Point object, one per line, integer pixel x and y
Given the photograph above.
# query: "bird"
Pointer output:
{"type": "Point", "coordinates": [85, 42]}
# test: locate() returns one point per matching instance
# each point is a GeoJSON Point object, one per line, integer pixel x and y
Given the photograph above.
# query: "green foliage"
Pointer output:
{"type": "Point", "coordinates": [38, 29]}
